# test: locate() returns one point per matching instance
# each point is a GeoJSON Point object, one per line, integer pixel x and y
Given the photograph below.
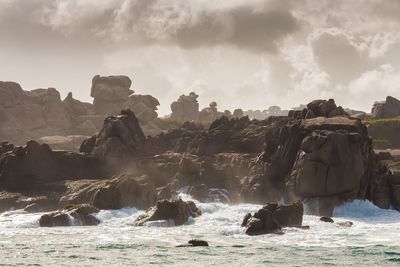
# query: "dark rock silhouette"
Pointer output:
{"type": "Point", "coordinates": [389, 108]}
{"type": "Point", "coordinates": [79, 215]}
{"type": "Point", "coordinates": [176, 211]}
{"type": "Point", "coordinates": [272, 217]}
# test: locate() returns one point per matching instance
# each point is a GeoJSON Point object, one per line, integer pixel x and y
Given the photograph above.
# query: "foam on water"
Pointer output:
{"type": "Point", "coordinates": [373, 239]}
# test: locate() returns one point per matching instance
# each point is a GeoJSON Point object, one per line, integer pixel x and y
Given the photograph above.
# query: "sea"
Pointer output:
{"type": "Point", "coordinates": [373, 240]}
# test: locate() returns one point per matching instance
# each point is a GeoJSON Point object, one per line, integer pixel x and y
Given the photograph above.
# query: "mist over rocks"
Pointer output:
{"type": "Point", "coordinates": [319, 155]}
{"type": "Point", "coordinates": [40, 113]}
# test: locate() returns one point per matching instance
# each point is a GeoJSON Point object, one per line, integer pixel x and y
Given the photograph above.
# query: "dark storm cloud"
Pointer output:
{"type": "Point", "coordinates": [254, 25]}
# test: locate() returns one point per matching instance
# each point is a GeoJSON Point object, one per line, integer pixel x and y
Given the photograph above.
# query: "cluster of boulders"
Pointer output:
{"type": "Point", "coordinates": [32, 114]}
{"type": "Point", "coordinates": [40, 113]}
{"type": "Point", "coordinates": [388, 108]}
{"type": "Point", "coordinates": [174, 212]}
{"type": "Point", "coordinates": [186, 109]}
{"type": "Point", "coordinates": [320, 156]}
{"type": "Point", "coordinates": [273, 217]}
{"type": "Point", "coordinates": [319, 108]}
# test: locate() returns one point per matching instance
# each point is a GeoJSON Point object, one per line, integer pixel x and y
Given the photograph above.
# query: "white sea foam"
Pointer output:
{"type": "Point", "coordinates": [372, 240]}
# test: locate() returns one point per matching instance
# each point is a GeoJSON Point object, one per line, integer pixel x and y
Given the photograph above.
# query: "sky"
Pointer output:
{"type": "Point", "coordinates": [248, 54]}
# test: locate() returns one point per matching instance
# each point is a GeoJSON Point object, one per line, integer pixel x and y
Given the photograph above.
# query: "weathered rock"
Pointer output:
{"type": "Point", "coordinates": [326, 219]}
{"type": "Point", "coordinates": [174, 211]}
{"type": "Point", "coordinates": [144, 107]}
{"type": "Point", "coordinates": [30, 203]}
{"type": "Point", "coordinates": [110, 93]}
{"type": "Point", "coordinates": [388, 108]}
{"type": "Point", "coordinates": [29, 168]}
{"type": "Point", "coordinates": [195, 243]}
{"type": "Point", "coordinates": [272, 217]}
{"type": "Point", "coordinates": [319, 108]}
{"type": "Point", "coordinates": [26, 115]}
{"type": "Point", "coordinates": [186, 108]}
{"type": "Point", "coordinates": [79, 215]}
{"type": "Point", "coordinates": [313, 159]}
{"type": "Point", "coordinates": [120, 138]}
{"type": "Point", "coordinates": [125, 190]}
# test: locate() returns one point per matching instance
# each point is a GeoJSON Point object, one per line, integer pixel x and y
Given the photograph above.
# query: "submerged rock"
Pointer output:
{"type": "Point", "coordinates": [174, 211]}
{"type": "Point", "coordinates": [75, 215]}
{"type": "Point", "coordinates": [195, 243]}
{"type": "Point", "coordinates": [326, 219]}
{"type": "Point", "coordinates": [272, 217]}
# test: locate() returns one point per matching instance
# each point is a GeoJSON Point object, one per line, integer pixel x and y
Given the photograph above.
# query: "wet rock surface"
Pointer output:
{"type": "Point", "coordinates": [195, 243]}
{"type": "Point", "coordinates": [273, 217]}
{"type": "Point", "coordinates": [79, 215]}
{"type": "Point", "coordinates": [175, 211]}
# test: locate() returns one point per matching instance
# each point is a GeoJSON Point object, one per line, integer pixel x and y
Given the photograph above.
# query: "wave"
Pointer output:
{"type": "Point", "coordinates": [364, 210]}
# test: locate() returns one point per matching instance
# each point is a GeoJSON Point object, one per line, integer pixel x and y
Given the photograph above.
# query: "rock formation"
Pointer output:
{"type": "Point", "coordinates": [79, 215]}
{"type": "Point", "coordinates": [186, 108]}
{"type": "Point", "coordinates": [176, 212]}
{"type": "Point", "coordinates": [28, 168]}
{"type": "Point", "coordinates": [272, 217]}
{"type": "Point", "coordinates": [388, 108]}
{"type": "Point", "coordinates": [125, 190]}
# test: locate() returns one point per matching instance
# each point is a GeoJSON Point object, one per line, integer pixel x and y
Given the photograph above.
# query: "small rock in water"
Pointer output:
{"type": "Point", "coordinates": [345, 224]}
{"type": "Point", "coordinates": [326, 219]}
{"type": "Point", "coordinates": [195, 243]}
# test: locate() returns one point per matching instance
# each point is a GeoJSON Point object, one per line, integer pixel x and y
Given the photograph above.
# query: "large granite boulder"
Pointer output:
{"type": "Point", "coordinates": [186, 108]}
{"type": "Point", "coordinates": [272, 217]}
{"type": "Point", "coordinates": [388, 108]}
{"type": "Point", "coordinates": [234, 135]}
{"type": "Point", "coordinates": [120, 138]}
{"type": "Point", "coordinates": [31, 167]}
{"type": "Point", "coordinates": [321, 160]}
{"type": "Point", "coordinates": [124, 190]}
{"type": "Point", "coordinates": [110, 93]}
{"type": "Point", "coordinates": [144, 107]}
{"type": "Point", "coordinates": [319, 108]}
{"type": "Point", "coordinates": [74, 215]}
{"type": "Point", "coordinates": [175, 212]}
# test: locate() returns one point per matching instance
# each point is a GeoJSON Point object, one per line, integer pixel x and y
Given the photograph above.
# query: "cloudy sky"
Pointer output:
{"type": "Point", "coordinates": [240, 53]}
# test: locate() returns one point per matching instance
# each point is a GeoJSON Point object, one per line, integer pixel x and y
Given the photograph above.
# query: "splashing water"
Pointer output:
{"type": "Point", "coordinates": [373, 240]}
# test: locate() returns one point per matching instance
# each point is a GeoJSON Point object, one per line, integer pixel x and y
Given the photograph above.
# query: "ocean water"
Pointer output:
{"type": "Point", "coordinates": [374, 240]}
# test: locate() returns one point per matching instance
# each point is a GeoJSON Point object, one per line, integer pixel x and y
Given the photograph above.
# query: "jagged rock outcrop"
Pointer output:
{"type": "Point", "coordinates": [272, 217]}
{"type": "Point", "coordinates": [75, 215]}
{"type": "Point", "coordinates": [121, 138]}
{"type": "Point", "coordinates": [323, 161]}
{"type": "Point", "coordinates": [30, 167]}
{"type": "Point", "coordinates": [125, 190]}
{"type": "Point", "coordinates": [30, 114]}
{"type": "Point", "coordinates": [388, 108]}
{"type": "Point", "coordinates": [175, 212]}
{"type": "Point", "coordinates": [319, 108]}
{"type": "Point", "coordinates": [234, 135]}
{"type": "Point", "coordinates": [30, 203]}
